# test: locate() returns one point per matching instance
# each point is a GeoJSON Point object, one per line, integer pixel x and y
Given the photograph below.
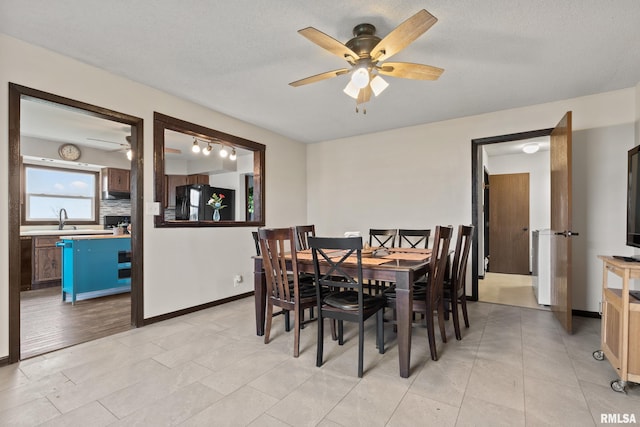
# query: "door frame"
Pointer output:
{"type": "Point", "coordinates": [16, 93]}
{"type": "Point", "coordinates": [477, 172]}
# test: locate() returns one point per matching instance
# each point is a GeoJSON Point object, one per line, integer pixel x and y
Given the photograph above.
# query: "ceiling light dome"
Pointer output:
{"type": "Point", "coordinates": [360, 77]}
{"type": "Point", "coordinates": [531, 148]}
{"type": "Point", "coordinates": [223, 152]}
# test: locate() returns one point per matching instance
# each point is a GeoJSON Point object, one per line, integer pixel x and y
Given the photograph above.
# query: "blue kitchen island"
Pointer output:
{"type": "Point", "coordinates": [94, 266]}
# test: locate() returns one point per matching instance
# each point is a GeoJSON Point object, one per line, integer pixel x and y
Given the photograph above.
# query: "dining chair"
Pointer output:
{"type": "Point", "coordinates": [428, 296]}
{"type": "Point", "coordinates": [303, 232]}
{"type": "Point", "coordinates": [343, 270]}
{"type": "Point", "coordinates": [454, 289]}
{"type": "Point", "coordinates": [256, 241]}
{"type": "Point", "coordinates": [283, 289]}
{"type": "Point", "coordinates": [384, 238]}
{"type": "Point", "coordinates": [413, 238]}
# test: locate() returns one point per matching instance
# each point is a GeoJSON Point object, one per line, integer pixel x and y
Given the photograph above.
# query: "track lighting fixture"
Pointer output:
{"type": "Point", "coordinates": [195, 147]}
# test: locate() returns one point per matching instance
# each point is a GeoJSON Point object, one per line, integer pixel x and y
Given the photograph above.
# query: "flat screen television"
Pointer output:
{"type": "Point", "coordinates": [633, 198]}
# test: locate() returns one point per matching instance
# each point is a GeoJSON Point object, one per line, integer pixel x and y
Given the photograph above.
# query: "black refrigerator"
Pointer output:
{"type": "Point", "coordinates": [191, 202]}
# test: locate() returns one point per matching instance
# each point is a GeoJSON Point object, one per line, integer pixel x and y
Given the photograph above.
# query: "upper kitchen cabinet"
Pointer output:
{"type": "Point", "coordinates": [197, 179]}
{"type": "Point", "coordinates": [116, 183]}
{"type": "Point", "coordinates": [206, 161]}
{"type": "Point", "coordinates": [173, 181]}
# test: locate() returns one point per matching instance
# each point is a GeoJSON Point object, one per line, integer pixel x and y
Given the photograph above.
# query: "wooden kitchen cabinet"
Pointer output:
{"type": "Point", "coordinates": [116, 180]}
{"type": "Point", "coordinates": [620, 338]}
{"type": "Point", "coordinates": [25, 263]}
{"type": "Point", "coordinates": [172, 181]}
{"type": "Point", "coordinates": [198, 179]}
{"type": "Point", "coordinates": [47, 262]}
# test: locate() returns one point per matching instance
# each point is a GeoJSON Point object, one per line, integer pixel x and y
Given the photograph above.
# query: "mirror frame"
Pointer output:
{"type": "Point", "coordinates": [162, 122]}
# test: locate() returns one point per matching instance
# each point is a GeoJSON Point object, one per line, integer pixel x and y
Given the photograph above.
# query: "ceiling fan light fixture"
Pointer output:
{"type": "Point", "coordinates": [378, 84]}
{"type": "Point", "coordinates": [351, 90]}
{"type": "Point", "coordinates": [233, 154]}
{"type": "Point", "coordinates": [195, 148]}
{"type": "Point", "coordinates": [530, 148]}
{"type": "Point", "coordinates": [360, 77]}
{"type": "Point", "coordinates": [223, 151]}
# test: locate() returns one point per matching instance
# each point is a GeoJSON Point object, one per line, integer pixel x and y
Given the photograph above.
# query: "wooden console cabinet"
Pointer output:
{"type": "Point", "coordinates": [620, 339]}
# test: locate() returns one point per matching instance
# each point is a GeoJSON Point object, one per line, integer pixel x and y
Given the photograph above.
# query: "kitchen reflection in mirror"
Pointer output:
{"type": "Point", "coordinates": [206, 178]}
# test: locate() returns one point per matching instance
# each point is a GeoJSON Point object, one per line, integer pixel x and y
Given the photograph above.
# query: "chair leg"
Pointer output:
{"type": "Point", "coordinates": [296, 333]}
{"type": "Point", "coordinates": [360, 347]}
{"type": "Point", "coordinates": [320, 340]}
{"type": "Point", "coordinates": [267, 327]}
{"type": "Point", "coordinates": [447, 308]}
{"type": "Point", "coordinates": [287, 323]}
{"type": "Point", "coordinates": [443, 332]}
{"type": "Point", "coordinates": [456, 318]}
{"type": "Point", "coordinates": [340, 332]}
{"type": "Point", "coordinates": [380, 330]}
{"type": "Point", "coordinates": [334, 334]}
{"type": "Point", "coordinates": [463, 301]}
{"type": "Point", "coordinates": [431, 336]}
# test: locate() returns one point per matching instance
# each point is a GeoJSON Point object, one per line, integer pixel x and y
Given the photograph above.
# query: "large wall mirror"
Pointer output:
{"type": "Point", "coordinates": [206, 178]}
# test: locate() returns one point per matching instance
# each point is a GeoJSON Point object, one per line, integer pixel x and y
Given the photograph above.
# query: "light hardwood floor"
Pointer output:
{"type": "Point", "coordinates": [508, 289]}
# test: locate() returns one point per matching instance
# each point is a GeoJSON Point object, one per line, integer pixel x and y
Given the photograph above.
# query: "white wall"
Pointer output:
{"type": "Point", "coordinates": [427, 178]}
{"type": "Point", "coordinates": [599, 205]}
{"type": "Point", "coordinates": [182, 267]}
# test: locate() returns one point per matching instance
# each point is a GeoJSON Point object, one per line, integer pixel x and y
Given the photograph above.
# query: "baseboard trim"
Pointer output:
{"type": "Point", "coordinates": [4, 361]}
{"type": "Point", "coordinates": [583, 313]}
{"type": "Point", "coordinates": [193, 309]}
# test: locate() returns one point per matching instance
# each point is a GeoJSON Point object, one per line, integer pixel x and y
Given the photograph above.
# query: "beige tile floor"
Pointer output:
{"type": "Point", "coordinates": [514, 366]}
{"type": "Point", "coordinates": [508, 289]}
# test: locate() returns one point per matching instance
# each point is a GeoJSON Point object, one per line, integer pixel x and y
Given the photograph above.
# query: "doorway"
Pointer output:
{"type": "Point", "coordinates": [17, 94]}
{"type": "Point", "coordinates": [502, 259]}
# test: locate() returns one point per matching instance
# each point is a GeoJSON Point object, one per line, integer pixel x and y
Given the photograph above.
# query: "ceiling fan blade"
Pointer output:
{"type": "Point", "coordinates": [318, 77]}
{"type": "Point", "coordinates": [329, 43]}
{"type": "Point", "coordinates": [364, 95]}
{"type": "Point", "coordinates": [403, 35]}
{"type": "Point", "coordinates": [408, 70]}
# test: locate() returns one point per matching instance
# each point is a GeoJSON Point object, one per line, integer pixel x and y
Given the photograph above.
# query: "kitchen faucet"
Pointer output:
{"type": "Point", "coordinates": [62, 220]}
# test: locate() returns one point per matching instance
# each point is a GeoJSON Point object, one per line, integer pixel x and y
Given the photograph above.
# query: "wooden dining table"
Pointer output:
{"type": "Point", "coordinates": [400, 266]}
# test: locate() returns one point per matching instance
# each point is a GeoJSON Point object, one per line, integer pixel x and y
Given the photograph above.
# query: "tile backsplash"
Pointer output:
{"type": "Point", "coordinates": [115, 207]}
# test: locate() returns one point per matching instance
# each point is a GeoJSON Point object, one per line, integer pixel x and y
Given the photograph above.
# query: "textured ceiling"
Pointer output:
{"type": "Point", "coordinates": [237, 57]}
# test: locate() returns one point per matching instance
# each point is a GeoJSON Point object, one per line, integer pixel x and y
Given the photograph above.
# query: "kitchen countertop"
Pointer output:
{"type": "Point", "coordinates": [95, 237]}
{"type": "Point", "coordinates": [69, 232]}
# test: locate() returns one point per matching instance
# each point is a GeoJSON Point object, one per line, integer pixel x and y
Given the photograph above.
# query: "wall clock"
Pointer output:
{"type": "Point", "coordinates": [69, 152]}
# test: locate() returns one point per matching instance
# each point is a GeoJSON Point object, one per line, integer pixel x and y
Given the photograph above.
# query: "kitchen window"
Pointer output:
{"type": "Point", "coordinates": [47, 190]}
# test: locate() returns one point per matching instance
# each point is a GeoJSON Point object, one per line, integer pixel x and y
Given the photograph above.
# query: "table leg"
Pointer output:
{"type": "Point", "coordinates": [260, 293]}
{"type": "Point", "coordinates": [404, 309]}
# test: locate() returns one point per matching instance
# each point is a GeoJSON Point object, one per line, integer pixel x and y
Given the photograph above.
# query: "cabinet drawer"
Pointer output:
{"type": "Point", "coordinates": [45, 241]}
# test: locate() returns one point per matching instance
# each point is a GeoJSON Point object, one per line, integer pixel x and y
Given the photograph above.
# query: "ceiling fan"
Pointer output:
{"type": "Point", "coordinates": [126, 147]}
{"type": "Point", "coordinates": [365, 52]}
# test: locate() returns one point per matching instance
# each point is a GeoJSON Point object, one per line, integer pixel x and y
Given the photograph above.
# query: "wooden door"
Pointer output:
{"type": "Point", "coordinates": [509, 223]}
{"type": "Point", "coordinates": [561, 221]}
